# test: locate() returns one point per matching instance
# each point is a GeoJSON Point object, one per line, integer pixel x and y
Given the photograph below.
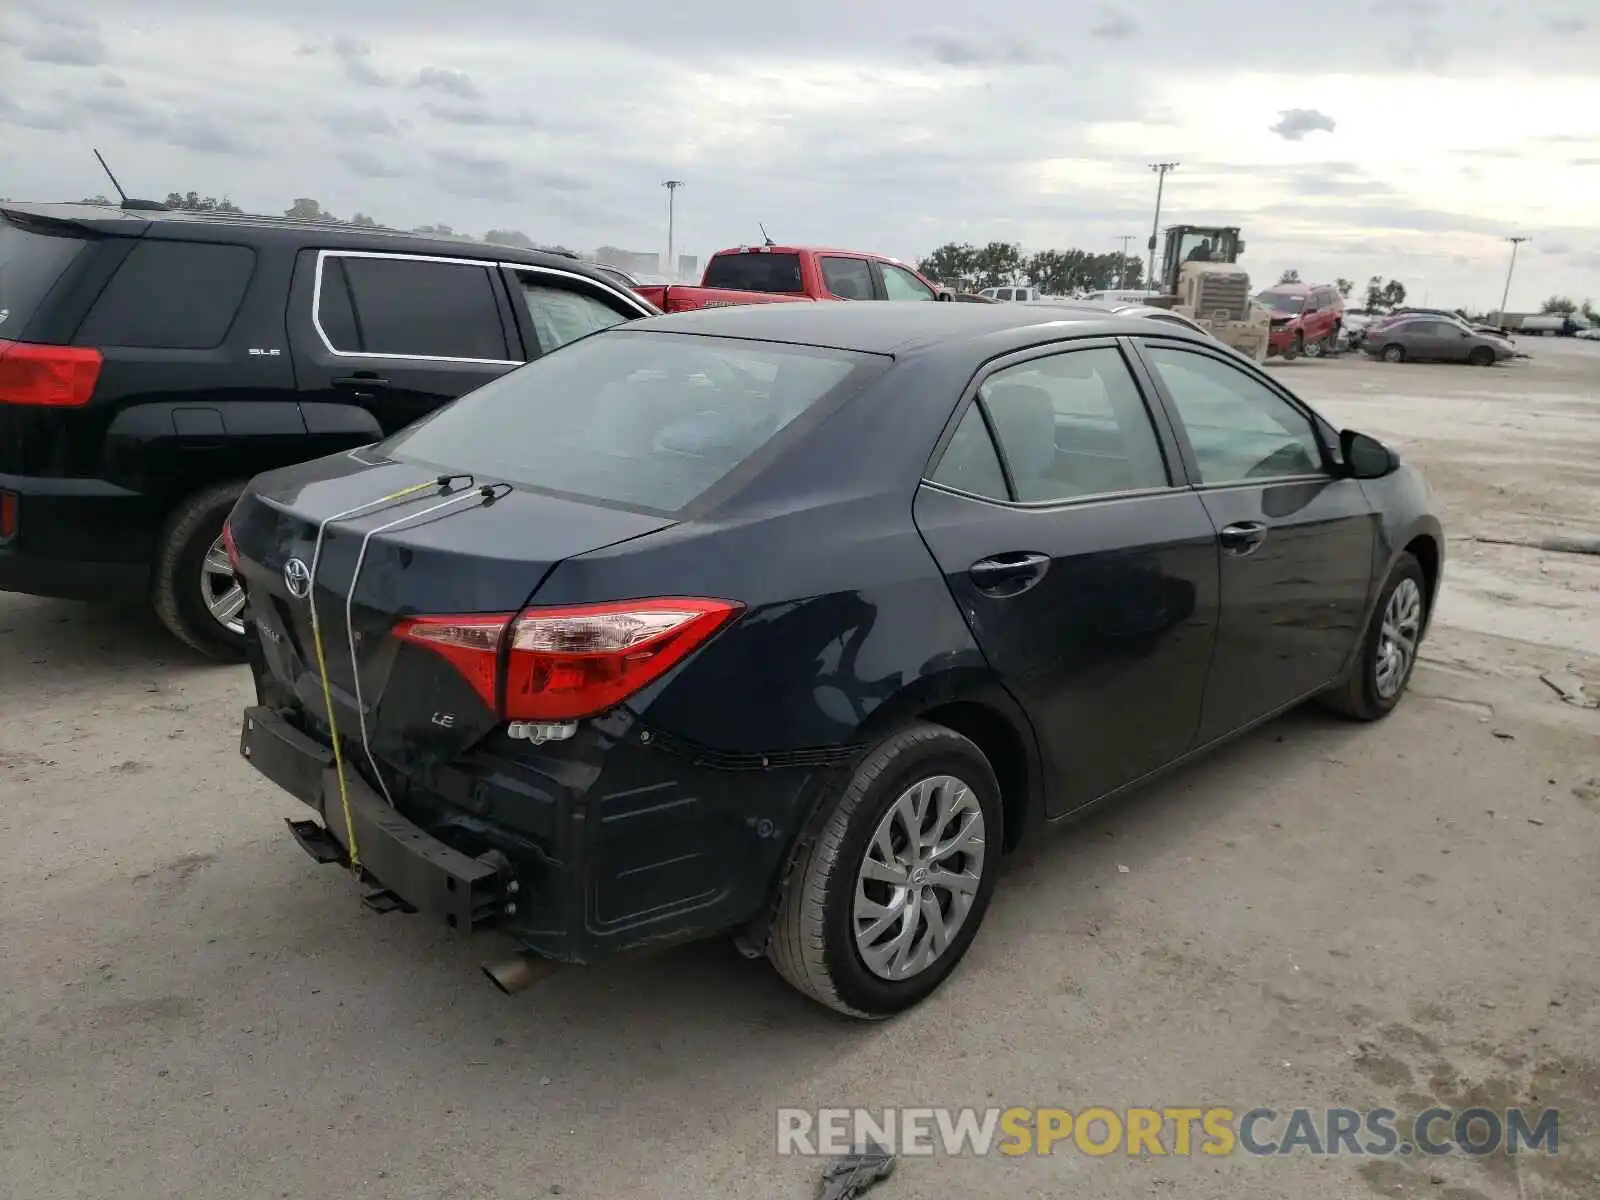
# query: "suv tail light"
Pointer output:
{"type": "Point", "coordinates": [567, 663]}
{"type": "Point", "coordinates": [52, 376]}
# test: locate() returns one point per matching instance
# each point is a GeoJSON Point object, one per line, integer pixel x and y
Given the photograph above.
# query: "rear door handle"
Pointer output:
{"type": "Point", "coordinates": [1242, 537]}
{"type": "Point", "coordinates": [1012, 572]}
{"type": "Point", "coordinates": [362, 383]}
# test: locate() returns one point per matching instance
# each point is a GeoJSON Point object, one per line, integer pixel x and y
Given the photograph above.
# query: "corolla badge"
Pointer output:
{"type": "Point", "coordinates": [297, 577]}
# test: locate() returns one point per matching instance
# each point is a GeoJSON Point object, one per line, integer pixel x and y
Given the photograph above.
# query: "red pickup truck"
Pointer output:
{"type": "Point", "coordinates": [775, 274]}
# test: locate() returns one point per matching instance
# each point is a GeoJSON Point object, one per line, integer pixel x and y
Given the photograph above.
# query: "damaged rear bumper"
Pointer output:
{"type": "Point", "coordinates": [617, 841]}
{"type": "Point", "coordinates": [408, 867]}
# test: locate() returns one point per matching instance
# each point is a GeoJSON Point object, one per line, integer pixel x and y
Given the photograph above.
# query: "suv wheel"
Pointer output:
{"type": "Point", "coordinates": [194, 591]}
{"type": "Point", "coordinates": [885, 901]}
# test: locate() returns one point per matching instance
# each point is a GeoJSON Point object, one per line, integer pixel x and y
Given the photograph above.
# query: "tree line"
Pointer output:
{"type": "Point", "coordinates": [1053, 272]}
{"type": "Point", "coordinates": [307, 209]}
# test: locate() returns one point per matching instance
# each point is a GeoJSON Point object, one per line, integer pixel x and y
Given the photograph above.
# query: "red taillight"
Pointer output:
{"type": "Point", "coordinates": [228, 545]}
{"type": "Point", "coordinates": [563, 664]}
{"type": "Point", "coordinates": [52, 376]}
{"type": "Point", "coordinates": [8, 516]}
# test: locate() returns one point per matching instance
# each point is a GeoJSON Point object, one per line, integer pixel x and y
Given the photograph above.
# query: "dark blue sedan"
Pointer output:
{"type": "Point", "coordinates": [789, 621]}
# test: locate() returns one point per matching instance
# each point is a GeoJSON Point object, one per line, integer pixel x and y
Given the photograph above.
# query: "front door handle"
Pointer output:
{"type": "Point", "coordinates": [1009, 573]}
{"type": "Point", "coordinates": [1243, 537]}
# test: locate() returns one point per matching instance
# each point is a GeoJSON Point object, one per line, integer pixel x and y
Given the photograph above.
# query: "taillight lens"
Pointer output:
{"type": "Point", "coordinates": [8, 516]}
{"type": "Point", "coordinates": [50, 376]}
{"type": "Point", "coordinates": [566, 663]}
{"type": "Point", "coordinates": [229, 546]}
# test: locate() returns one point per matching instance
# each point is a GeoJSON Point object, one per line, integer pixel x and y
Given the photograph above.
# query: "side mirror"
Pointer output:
{"type": "Point", "coordinates": [1366, 457]}
{"type": "Point", "coordinates": [944, 296]}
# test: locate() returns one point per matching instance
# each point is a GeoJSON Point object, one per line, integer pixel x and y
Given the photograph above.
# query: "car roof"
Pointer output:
{"type": "Point", "coordinates": [904, 327]}
{"type": "Point", "coordinates": [197, 226]}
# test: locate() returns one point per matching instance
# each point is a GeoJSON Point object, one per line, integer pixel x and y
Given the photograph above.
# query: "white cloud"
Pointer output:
{"type": "Point", "coordinates": [894, 126]}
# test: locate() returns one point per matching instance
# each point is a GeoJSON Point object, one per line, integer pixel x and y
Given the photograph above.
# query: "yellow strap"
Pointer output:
{"type": "Point", "coordinates": [327, 691]}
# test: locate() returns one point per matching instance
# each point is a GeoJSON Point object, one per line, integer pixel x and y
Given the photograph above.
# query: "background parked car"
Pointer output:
{"type": "Point", "coordinates": [159, 359]}
{"type": "Point", "coordinates": [638, 673]}
{"type": "Point", "coordinates": [1429, 338]}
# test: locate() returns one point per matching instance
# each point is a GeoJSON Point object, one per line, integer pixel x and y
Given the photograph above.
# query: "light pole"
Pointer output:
{"type": "Point", "coordinates": [672, 186]}
{"type": "Point", "coordinates": [1161, 169]}
{"type": "Point", "coordinates": [1506, 295]}
{"type": "Point", "coordinates": [1122, 271]}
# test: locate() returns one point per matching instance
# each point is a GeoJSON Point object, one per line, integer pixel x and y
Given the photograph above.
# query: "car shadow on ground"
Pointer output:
{"type": "Point", "coordinates": [72, 636]}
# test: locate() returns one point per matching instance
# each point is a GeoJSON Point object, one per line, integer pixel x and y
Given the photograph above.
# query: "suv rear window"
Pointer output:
{"type": "Point", "coordinates": [172, 296]}
{"type": "Point", "coordinates": [30, 264]}
{"type": "Point", "coordinates": [754, 272]}
{"type": "Point", "coordinates": [643, 420]}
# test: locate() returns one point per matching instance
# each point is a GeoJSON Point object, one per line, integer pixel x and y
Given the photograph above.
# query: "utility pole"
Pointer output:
{"type": "Point", "coordinates": [1122, 272]}
{"type": "Point", "coordinates": [672, 186]}
{"type": "Point", "coordinates": [1506, 295]}
{"type": "Point", "coordinates": [1161, 169]}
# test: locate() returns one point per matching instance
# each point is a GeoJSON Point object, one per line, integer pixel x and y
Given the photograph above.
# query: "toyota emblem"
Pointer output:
{"type": "Point", "coordinates": [297, 577]}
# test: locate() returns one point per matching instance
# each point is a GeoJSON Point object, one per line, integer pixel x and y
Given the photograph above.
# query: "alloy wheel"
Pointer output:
{"type": "Point", "coordinates": [919, 877]}
{"type": "Point", "coordinates": [1397, 638]}
{"type": "Point", "coordinates": [223, 597]}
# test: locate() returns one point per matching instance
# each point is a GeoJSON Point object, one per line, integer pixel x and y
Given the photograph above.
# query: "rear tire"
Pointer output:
{"type": "Point", "coordinates": [1393, 353]}
{"type": "Point", "coordinates": [1481, 356]}
{"type": "Point", "coordinates": [865, 867]}
{"type": "Point", "coordinates": [1376, 679]}
{"type": "Point", "coordinates": [190, 597]}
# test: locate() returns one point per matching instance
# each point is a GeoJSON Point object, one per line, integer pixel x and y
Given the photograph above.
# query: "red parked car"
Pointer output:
{"type": "Point", "coordinates": [1306, 319]}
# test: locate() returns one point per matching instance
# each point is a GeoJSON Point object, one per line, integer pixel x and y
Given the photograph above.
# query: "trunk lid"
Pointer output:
{"type": "Point", "coordinates": [431, 551]}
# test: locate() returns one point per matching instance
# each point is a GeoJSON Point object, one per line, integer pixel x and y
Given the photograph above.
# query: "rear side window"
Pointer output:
{"type": "Point", "coordinates": [970, 463]}
{"type": "Point", "coordinates": [561, 315]}
{"type": "Point", "coordinates": [1073, 424]}
{"type": "Point", "coordinates": [847, 278]}
{"type": "Point", "coordinates": [411, 307]}
{"type": "Point", "coordinates": [30, 264]}
{"type": "Point", "coordinates": [755, 272]}
{"type": "Point", "coordinates": [643, 420]}
{"type": "Point", "coordinates": [171, 296]}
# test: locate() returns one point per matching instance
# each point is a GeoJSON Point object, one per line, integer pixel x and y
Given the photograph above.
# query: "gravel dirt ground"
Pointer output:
{"type": "Point", "coordinates": [1321, 914]}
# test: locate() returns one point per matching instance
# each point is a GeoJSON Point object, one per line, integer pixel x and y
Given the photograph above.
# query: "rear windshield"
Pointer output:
{"type": "Point", "coordinates": [644, 420]}
{"type": "Point", "coordinates": [755, 272]}
{"type": "Point", "coordinates": [30, 264]}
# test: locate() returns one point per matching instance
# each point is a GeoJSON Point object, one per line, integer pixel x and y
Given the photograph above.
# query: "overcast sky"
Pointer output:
{"type": "Point", "coordinates": [1400, 137]}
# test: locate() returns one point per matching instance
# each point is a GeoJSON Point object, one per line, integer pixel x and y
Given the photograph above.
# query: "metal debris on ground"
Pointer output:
{"type": "Point", "coordinates": [855, 1173]}
{"type": "Point", "coordinates": [1570, 688]}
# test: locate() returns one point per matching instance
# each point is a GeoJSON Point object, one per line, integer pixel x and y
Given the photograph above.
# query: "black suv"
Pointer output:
{"type": "Point", "coordinates": [151, 362]}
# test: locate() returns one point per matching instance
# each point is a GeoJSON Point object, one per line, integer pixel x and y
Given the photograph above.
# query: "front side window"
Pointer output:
{"type": "Point", "coordinates": [900, 284]}
{"type": "Point", "coordinates": [416, 307]}
{"type": "Point", "coordinates": [645, 420]}
{"type": "Point", "coordinates": [847, 278]}
{"type": "Point", "coordinates": [561, 315]}
{"type": "Point", "coordinates": [1240, 428]}
{"type": "Point", "coordinates": [1072, 425]}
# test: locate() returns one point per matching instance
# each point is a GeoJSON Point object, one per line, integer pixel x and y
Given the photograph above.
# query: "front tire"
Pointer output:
{"type": "Point", "coordinates": [1481, 356]}
{"type": "Point", "coordinates": [1376, 680]}
{"type": "Point", "coordinates": [1393, 353]}
{"type": "Point", "coordinates": [193, 589]}
{"type": "Point", "coordinates": [884, 903]}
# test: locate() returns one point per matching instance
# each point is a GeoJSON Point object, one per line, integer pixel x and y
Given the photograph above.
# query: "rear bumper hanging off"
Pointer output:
{"type": "Point", "coordinates": [410, 868]}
